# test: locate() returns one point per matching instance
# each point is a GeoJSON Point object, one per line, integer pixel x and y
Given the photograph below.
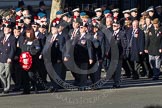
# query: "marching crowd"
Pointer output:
{"type": "Point", "coordinates": [80, 41]}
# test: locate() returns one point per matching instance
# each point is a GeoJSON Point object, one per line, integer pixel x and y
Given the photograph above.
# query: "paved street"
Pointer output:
{"type": "Point", "coordinates": [137, 97]}
{"type": "Point", "coordinates": [133, 94]}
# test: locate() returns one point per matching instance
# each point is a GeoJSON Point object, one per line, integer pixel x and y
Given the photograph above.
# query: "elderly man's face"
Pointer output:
{"type": "Point", "coordinates": [135, 24]}
{"type": "Point", "coordinates": [109, 21]}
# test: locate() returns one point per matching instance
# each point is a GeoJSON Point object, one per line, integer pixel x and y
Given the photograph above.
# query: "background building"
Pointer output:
{"type": "Point", "coordinates": [122, 4]}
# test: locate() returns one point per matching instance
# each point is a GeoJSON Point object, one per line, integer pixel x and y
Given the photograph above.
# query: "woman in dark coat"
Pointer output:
{"type": "Point", "coordinates": [32, 46]}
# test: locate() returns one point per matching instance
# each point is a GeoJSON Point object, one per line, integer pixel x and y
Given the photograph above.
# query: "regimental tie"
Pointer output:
{"type": "Point", "coordinates": [74, 33]}
{"type": "Point", "coordinates": [115, 35]}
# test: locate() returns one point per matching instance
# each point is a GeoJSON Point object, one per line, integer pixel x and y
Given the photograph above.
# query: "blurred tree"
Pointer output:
{"type": "Point", "coordinates": [56, 5]}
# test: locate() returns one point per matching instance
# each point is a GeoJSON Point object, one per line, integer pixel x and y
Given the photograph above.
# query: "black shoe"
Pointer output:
{"type": "Point", "coordinates": [155, 78]}
{"type": "Point", "coordinates": [135, 77]}
{"type": "Point", "coordinates": [16, 89]}
{"type": "Point", "coordinates": [116, 86]}
{"type": "Point", "coordinates": [50, 90]}
{"type": "Point", "coordinates": [93, 89]}
{"type": "Point", "coordinates": [55, 90]}
{"type": "Point", "coordinates": [81, 89]}
{"type": "Point", "coordinates": [149, 76]}
{"type": "Point", "coordinates": [5, 92]}
{"type": "Point", "coordinates": [75, 83]}
{"type": "Point", "coordinates": [127, 75]}
{"type": "Point", "coordinates": [25, 92]}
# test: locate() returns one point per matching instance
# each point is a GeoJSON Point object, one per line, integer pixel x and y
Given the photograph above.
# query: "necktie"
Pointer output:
{"type": "Point", "coordinates": [115, 35]}
{"type": "Point", "coordinates": [74, 32]}
{"type": "Point", "coordinates": [156, 31]}
{"type": "Point", "coordinates": [131, 40]}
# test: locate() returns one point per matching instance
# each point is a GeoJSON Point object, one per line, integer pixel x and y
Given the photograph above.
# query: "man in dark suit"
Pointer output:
{"type": "Point", "coordinates": [154, 47]}
{"type": "Point", "coordinates": [56, 43]}
{"type": "Point", "coordinates": [64, 37]}
{"type": "Point", "coordinates": [120, 40]}
{"type": "Point", "coordinates": [16, 68]}
{"type": "Point", "coordinates": [7, 48]}
{"type": "Point", "coordinates": [109, 22]}
{"type": "Point", "coordinates": [42, 35]}
{"type": "Point", "coordinates": [98, 40]}
{"type": "Point", "coordinates": [108, 28]}
{"type": "Point", "coordinates": [135, 37]}
{"type": "Point", "coordinates": [73, 33]}
{"type": "Point", "coordinates": [83, 55]}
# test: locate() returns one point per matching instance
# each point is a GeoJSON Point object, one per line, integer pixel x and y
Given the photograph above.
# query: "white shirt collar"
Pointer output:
{"type": "Point", "coordinates": [60, 33]}
{"type": "Point", "coordinates": [7, 36]}
{"type": "Point", "coordinates": [149, 25]}
{"type": "Point", "coordinates": [36, 33]}
{"type": "Point", "coordinates": [16, 37]}
{"type": "Point", "coordinates": [82, 35]}
{"type": "Point", "coordinates": [76, 29]}
{"type": "Point", "coordinates": [117, 31]}
{"type": "Point", "coordinates": [55, 35]}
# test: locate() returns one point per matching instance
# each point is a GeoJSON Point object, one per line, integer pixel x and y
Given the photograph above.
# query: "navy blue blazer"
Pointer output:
{"type": "Point", "coordinates": [137, 44]}
{"type": "Point", "coordinates": [55, 48]}
{"type": "Point", "coordinates": [7, 49]}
